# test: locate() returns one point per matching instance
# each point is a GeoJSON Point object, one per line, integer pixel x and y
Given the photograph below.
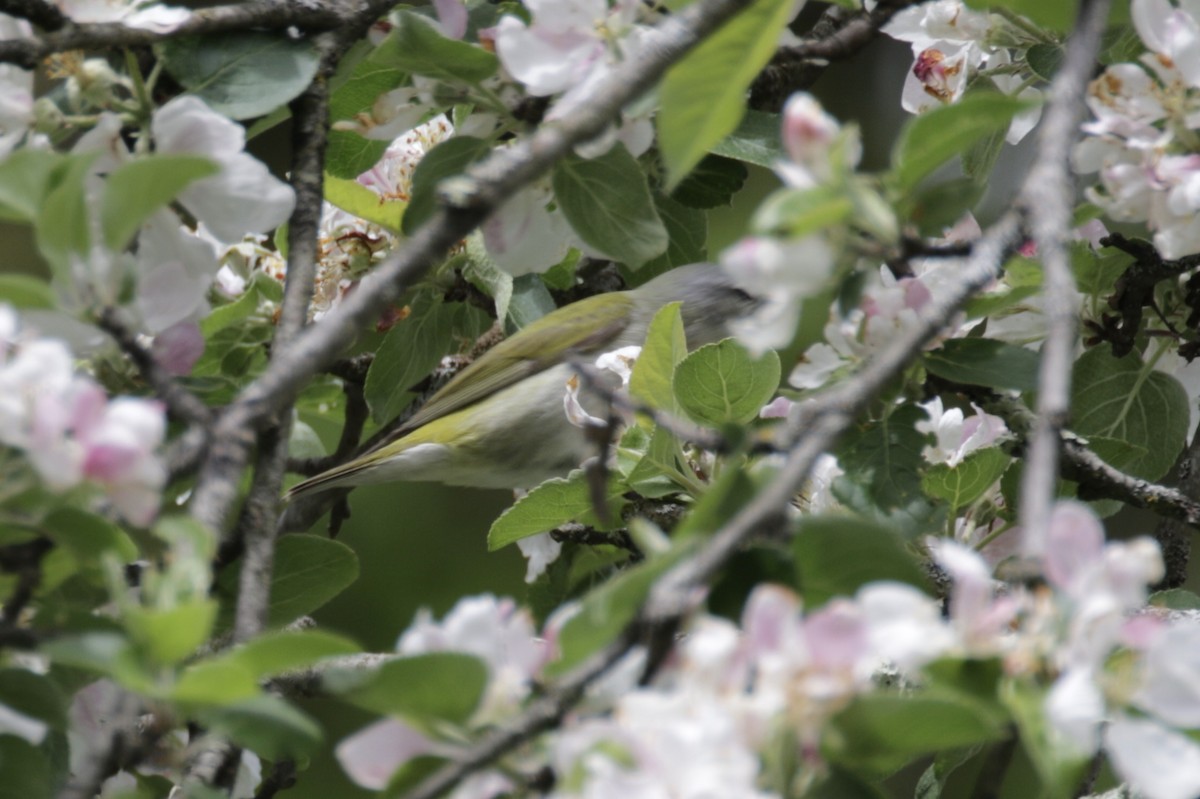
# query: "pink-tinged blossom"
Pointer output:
{"type": "Point", "coordinates": [818, 149]}
{"type": "Point", "coordinates": [497, 631]}
{"type": "Point", "coordinates": [981, 619]}
{"type": "Point", "coordinates": [16, 91]}
{"type": "Point", "coordinates": [1173, 33]}
{"type": "Point", "coordinates": [658, 744]}
{"type": "Point", "coordinates": [566, 41]}
{"type": "Point", "coordinates": [371, 755]}
{"type": "Point", "coordinates": [782, 273]}
{"type": "Point", "coordinates": [539, 552]}
{"type": "Point", "coordinates": [70, 431]}
{"type": "Point", "coordinates": [243, 197]}
{"type": "Point", "coordinates": [524, 235]}
{"type": "Point", "coordinates": [177, 348]}
{"type": "Point", "coordinates": [452, 17]}
{"type": "Point", "coordinates": [956, 434]}
{"type": "Point", "coordinates": [951, 44]}
{"type": "Point", "coordinates": [1170, 679]}
{"type": "Point", "coordinates": [176, 269]}
{"type": "Point", "coordinates": [1156, 761]}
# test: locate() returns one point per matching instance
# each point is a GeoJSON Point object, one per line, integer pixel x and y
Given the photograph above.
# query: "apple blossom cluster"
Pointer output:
{"type": "Point", "coordinates": [954, 46]}
{"type": "Point", "coordinates": [733, 694]}
{"type": "Point", "coordinates": [783, 271]}
{"type": "Point", "coordinates": [70, 431]}
{"type": "Point", "coordinates": [1142, 142]}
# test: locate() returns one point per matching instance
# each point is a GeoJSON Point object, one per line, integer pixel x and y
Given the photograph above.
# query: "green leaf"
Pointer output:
{"type": "Point", "coordinates": [1045, 59]}
{"type": "Point", "coordinates": [139, 188]}
{"type": "Point", "coordinates": [1128, 400]}
{"type": "Point", "coordinates": [63, 227]}
{"type": "Point", "coordinates": [530, 301]}
{"type": "Point", "coordinates": [355, 198]}
{"type": "Point", "coordinates": [963, 484]}
{"type": "Point", "coordinates": [1058, 17]}
{"type": "Point", "coordinates": [414, 347]}
{"type": "Point", "coordinates": [985, 362]}
{"type": "Point", "coordinates": [800, 212]}
{"type": "Point", "coordinates": [483, 273]}
{"type": "Point", "coordinates": [25, 177]}
{"type": "Point", "coordinates": [1171, 599]}
{"type": "Point", "coordinates": [712, 183]}
{"type": "Point", "coordinates": [417, 46]}
{"type": "Point", "coordinates": [1059, 763]}
{"type": "Point", "coordinates": [367, 80]}
{"type": "Point", "coordinates": [27, 773]}
{"type": "Point", "coordinates": [224, 316]}
{"type": "Point", "coordinates": [687, 229]}
{"type": "Point", "coordinates": [34, 695]}
{"type": "Point", "coordinates": [665, 347]}
{"type": "Point", "coordinates": [349, 155]}
{"type": "Point", "coordinates": [89, 535]}
{"type": "Point", "coordinates": [881, 732]}
{"type": "Point", "coordinates": [703, 97]}
{"type": "Point", "coordinates": [23, 291]}
{"type": "Point", "coordinates": [309, 571]}
{"type": "Point", "coordinates": [267, 725]}
{"type": "Point", "coordinates": [933, 138]}
{"type": "Point", "coordinates": [449, 158]}
{"type": "Point", "coordinates": [214, 682]}
{"type": "Point", "coordinates": [607, 202]}
{"type": "Point", "coordinates": [658, 472]}
{"type": "Point", "coordinates": [837, 555]}
{"type": "Point", "coordinates": [757, 140]}
{"type": "Point", "coordinates": [885, 456]}
{"type": "Point", "coordinates": [242, 74]}
{"type": "Point", "coordinates": [445, 686]}
{"type": "Point", "coordinates": [937, 206]}
{"type": "Point", "coordinates": [554, 502]}
{"type": "Point", "coordinates": [275, 653]}
{"type": "Point", "coordinates": [606, 610]}
{"type": "Point", "coordinates": [168, 636]}
{"type": "Point", "coordinates": [720, 383]}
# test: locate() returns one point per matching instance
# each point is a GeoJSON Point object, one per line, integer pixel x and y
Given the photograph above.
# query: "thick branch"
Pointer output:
{"type": "Point", "coordinates": [473, 198]}
{"type": "Point", "coordinates": [1046, 200]}
{"type": "Point", "coordinates": [46, 16]}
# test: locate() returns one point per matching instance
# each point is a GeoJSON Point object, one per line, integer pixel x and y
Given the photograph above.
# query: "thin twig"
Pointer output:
{"type": "Point", "coordinates": [835, 37]}
{"type": "Point", "coordinates": [1096, 477]}
{"type": "Point", "coordinates": [1046, 200]}
{"type": "Point", "coordinates": [181, 403]}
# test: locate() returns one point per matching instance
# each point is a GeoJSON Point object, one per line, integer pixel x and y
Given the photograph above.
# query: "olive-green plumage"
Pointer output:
{"type": "Point", "coordinates": [500, 422]}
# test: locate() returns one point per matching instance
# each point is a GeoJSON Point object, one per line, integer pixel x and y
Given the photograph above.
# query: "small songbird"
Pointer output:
{"type": "Point", "coordinates": [500, 422]}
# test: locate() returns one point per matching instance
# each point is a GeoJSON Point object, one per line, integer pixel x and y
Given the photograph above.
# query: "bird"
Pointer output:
{"type": "Point", "coordinates": [500, 422]}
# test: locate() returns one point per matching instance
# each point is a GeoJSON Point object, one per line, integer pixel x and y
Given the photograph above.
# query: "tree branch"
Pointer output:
{"type": "Point", "coordinates": [1046, 200]}
{"type": "Point", "coordinates": [1081, 464]}
{"type": "Point", "coordinates": [181, 403]}
{"type": "Point", "coordinates": [311, 15]}
{"type": "Point", "coordinates": [43, 14]}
